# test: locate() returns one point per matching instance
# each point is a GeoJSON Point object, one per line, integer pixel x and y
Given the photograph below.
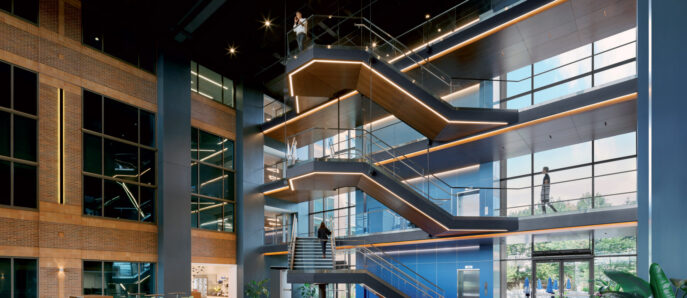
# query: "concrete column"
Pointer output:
{"type": "Point", "coordinates": [250, 202]}
{"type": "Point", "coordinates": [174, 170]}
{"type": "Point", "coordinates": [661, 135]}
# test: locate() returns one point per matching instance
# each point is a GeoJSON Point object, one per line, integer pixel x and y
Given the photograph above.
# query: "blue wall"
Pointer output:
{"type": "Point", "coordinates": [661, 137]}
{"type": "Point", "coordinates": [439, 266]}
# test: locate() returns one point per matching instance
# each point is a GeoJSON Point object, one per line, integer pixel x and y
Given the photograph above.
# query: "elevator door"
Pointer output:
{"type": "Point", "coordinates": [468, 283]}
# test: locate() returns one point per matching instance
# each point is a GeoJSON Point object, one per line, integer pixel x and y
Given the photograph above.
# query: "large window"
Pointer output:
{"type": "Point", "coordinates": [26, 9]}
{"type": "Point", "coordinates": [595, 64]}
{"type": "Point", "coordinates": [18, 136]}
{"type": "Point", "coordinates": [213, 182]}
{"type": "Point", "coordinates": [212, 85]}
{"type": "Point", "coordinates": [119, 168]}
{"type": "Point", "coordinates": [18, 278]}
{"type": "Point", "coordinates": [601, 250]}
{"type": "Point", "coordinates": [595, 174]}
{"type": "Point", "coordinates": [118, 279]}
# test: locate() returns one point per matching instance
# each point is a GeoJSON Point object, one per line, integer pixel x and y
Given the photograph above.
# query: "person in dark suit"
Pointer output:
{"type": "Point", "coordinates": [545, 190]}
{"type": "Point", "coordinates": [323, 234]}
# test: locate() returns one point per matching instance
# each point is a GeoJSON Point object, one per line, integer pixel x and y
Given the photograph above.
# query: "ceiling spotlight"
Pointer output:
{"type": "Point", "coordinates": [427, 16]}
{"type": "Point", "coordinates": [231, 50]}
{"type": "Point", "coordinates": [97, 38]}
{"type": "Point", "coordinates": [268, 23]}
{"type": "Point", "coordinates": [374, 44]}
{"type": "Point", "coordinates": [438, 29]}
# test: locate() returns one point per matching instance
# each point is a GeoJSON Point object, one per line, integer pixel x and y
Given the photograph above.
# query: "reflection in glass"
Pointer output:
{"type": "Point", "coordinates": [147, 204]}
{"type": "Point", "coordinates": [121, 278]}
{"type": "Point", "coordinates": [147, 166]}
{"type": "Point", "coordinates": [194, 212]}
{"type": "Point", "coordinates": [211, 181]}
{"type": "Point", "coordinates": [121, 200]}
{"type": "Point", "coordinates": [619, 241]}
{"type": "Point", "coordinates": [5, 274]}
{"type": "Point", "coordinates": [229, 217]}
{"type": "Point", "coordinates": [194, 143]}
{"type": "Point", "coordinates": [228, 185]}
{"type": "Point", "coordinates": [92, 196]}
{"type": "Point", "coordinates": [210, 148]}
{"type": "Point", "coordinates": [121, 160]}
{"type": "Point", "coordinates": [228, 154]}
{"type": "Point", "coordinates": [209, 83]}
{"type": "Point", "coordinates": [210, 214]}
{"type": "Point", "coordinates": [92, 278]}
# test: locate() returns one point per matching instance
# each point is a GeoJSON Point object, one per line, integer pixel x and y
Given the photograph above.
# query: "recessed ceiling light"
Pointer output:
{"type": "Point", "coordinates": [268, 23]}
{"type": "Point", "coordinates": [97, 38]}
{"type": "Point", "coordinates": [426, 16]}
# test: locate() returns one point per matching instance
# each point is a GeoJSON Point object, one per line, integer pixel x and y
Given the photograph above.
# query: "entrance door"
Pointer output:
{"type": "Point", "coordinates": [468, 283]}
{"type": "Point", "coordinates": [573, 277]}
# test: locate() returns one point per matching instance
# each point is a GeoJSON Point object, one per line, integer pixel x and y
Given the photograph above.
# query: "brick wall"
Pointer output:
{"type": "Point", "coordinates": [58, 234]}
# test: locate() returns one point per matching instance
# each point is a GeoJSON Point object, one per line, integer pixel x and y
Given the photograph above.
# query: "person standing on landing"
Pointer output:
{"type": "Point", "coordinates": [323, 234]}
{"type": "Point", "coordinates": [545, 190]}
{"type": "Point", "coordinates": [300, 26]}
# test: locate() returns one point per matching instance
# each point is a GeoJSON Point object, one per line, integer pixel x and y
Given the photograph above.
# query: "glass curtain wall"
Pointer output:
{"type": "Point", "coordinates": [602, 62]}
{"type": "Point", "coordinates": [212, 84]}
{"type": "Point", "coordinates": [337, 210]}
{"type": "Point", "coordinates": [118, 279]}
{"type": "Point", "coordinates": [18, 278]}
{"type": "Point", "coordinates": [595, 174]}
{"type": "Point", "coordinates": [18, 136]}
{"type": "Point", "coordinates": [584, 256]}
{"type": "Point", "coordinates": [119, 159]}
{"type": "Point", "coordinates": [213, 183]}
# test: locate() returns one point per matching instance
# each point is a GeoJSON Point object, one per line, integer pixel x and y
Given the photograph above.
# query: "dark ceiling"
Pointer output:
{"type": "Point", "coordinates": [128, 27]}
{"type": "Point", "coordinates": [260, 49]}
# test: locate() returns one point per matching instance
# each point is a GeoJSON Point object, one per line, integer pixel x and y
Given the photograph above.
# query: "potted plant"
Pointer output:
{"type": "Point", "coordinates": [256, 289]}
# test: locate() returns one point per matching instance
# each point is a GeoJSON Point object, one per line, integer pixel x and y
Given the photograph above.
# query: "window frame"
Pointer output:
{"type": "Point", "coordinates": [195, 196]}
{"type": "Point", "coordinates": [11, 159]}
{"type": "Point", "coordinates": [12, 277]}
{"type": "Point", "coordinates": [102, 272]}
{"type": "Point", "coordinates": [12, 13]}
{"type": "Point", "coordinates": [105, 137]}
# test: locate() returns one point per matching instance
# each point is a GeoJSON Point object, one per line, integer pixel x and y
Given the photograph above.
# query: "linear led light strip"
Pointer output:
{"type": "Point", "coordinates": [499, 131]}
{"type": "Point", "coordinates": [209, 80]}
{"type": "Point", "coordinates": [454, 171]}
{"type": "Point", "coordinates": [369, 179]}
{"type": "Point", "coordinates": [486, 33]}
{"type": "Point", "coordinates": [312, 111]}
{"type": "Point", "coordinates": [393, 84]}
{"type": "Point", "coordinates": [434, 40]}
{"type": "Point", "coordinates": [482, 236]}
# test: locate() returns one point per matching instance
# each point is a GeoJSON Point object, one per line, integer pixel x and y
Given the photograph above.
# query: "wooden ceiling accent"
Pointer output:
{"type": "Point", "coordinates": [326, 78]}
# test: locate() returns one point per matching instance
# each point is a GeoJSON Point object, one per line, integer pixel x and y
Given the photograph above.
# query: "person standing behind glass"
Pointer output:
{"type": "Point", "coordinates": [300, 27]}
{"type": "Point", "coordinates": [545, 190]}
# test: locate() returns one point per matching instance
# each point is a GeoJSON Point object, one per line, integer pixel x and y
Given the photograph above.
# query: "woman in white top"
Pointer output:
{"type": "Point", "coordinates": [300, 26]}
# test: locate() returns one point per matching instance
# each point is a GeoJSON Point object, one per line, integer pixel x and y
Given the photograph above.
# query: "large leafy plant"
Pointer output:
{"type": "Point", "coordinates": [256, 289]}
{"type": "Point", "coordinates": [632, 286]}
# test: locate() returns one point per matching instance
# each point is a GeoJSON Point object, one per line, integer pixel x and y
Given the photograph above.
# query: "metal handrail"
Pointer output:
{"type": "Point", "coordinates": [294, 234]}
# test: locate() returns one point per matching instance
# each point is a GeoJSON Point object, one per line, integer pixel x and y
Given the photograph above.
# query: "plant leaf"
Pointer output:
{"type": "Point", "coordinates": [621, 295]}
{"type": "Point", "coordinates": [660, 285]}
{"type": "Point", "coordinates": [630, 283]}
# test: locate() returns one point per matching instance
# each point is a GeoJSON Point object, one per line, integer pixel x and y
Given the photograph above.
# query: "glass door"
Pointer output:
{"type": "Point", "coordinates": [562, 278]}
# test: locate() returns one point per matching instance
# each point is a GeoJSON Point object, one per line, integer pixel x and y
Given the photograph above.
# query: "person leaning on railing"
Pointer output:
{"type": "Point", "coordinates": [300, 27]}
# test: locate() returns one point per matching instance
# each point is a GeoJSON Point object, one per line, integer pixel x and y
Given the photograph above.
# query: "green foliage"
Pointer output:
{"type": "Point", "coordinates": [608, 287]}
{"type": "Point", "coordinates": [680, 284]}
{"type": "Point", "coordinates": [630, 283]}
{"type": "Point", "coordinates": [256, 289]}
{"type": "Point", "coordinates": [660, 284]}
{"type": "Point", "coordinates": [633, 286]}
{"type": "Point", "coordinates": [308, 290]}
